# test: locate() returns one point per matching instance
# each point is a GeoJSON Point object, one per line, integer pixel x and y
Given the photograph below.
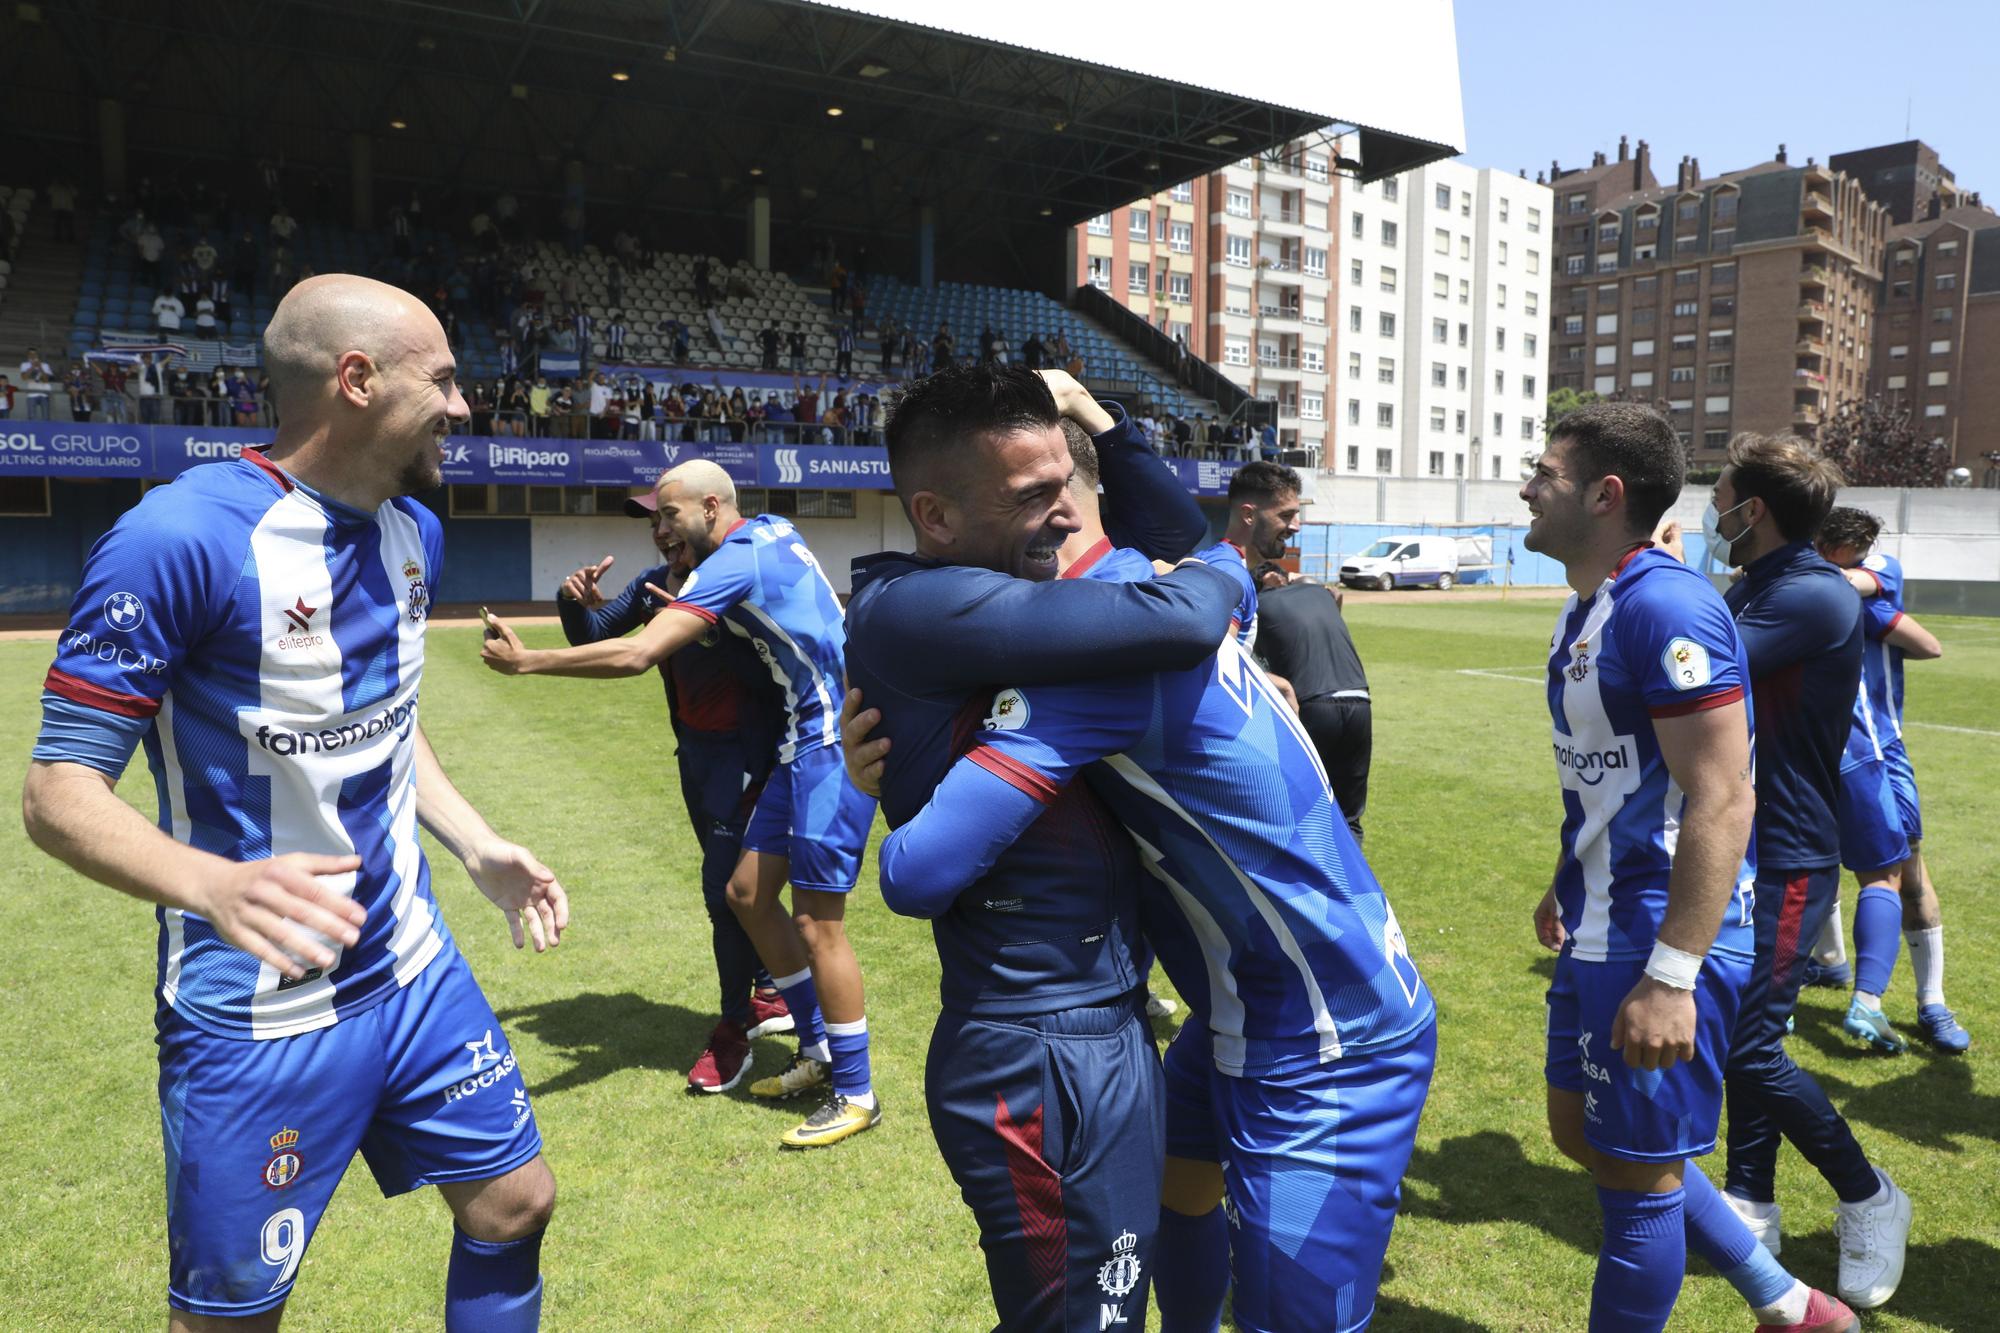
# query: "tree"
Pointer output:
{"type": "Point", "coordinates": [1561, 403]}
{"type": "Point", "coordinates": [1879, 443]}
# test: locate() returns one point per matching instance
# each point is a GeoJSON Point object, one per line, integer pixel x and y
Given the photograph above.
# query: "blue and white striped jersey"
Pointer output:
{"type": "Point", "coordinates": [270, 642]}
{"type": "Point", "coordinates": [1227, 555]}
{"type": "Point", "coordinates": [1654, 641]}
{"type": "Point", "coordinates": [1267, 917]}
{"type": "Point", "coordinates": [1882, 663]}
{"type": "Point", "coordinates": [766, 586]}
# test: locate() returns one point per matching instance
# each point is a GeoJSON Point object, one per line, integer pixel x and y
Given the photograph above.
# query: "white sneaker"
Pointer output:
{"type": "Point", "coordinates": [1873, 1237]}
{"type": "Point", "coordinates": [1761, 1218]}
{"type": "Point", "coordinates": [1159, 1006]}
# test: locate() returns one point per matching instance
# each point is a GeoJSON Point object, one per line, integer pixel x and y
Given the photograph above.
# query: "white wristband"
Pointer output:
{"type": "Point", "coordinates": [1671, 967]}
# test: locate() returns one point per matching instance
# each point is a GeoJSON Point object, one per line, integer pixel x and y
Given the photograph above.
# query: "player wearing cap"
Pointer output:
{"type": "Point", "coordinates": [1651, 903]}
{"type": "Point", "coordinates": [258, 626]}
{"type": "Point", "coordinates": [757, 580]}
{"type": "Point", "coordinates": [726, 714]}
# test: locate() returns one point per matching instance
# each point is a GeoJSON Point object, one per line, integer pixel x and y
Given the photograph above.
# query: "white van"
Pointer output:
{"type": "Point", "coordinates": [1403, 562]}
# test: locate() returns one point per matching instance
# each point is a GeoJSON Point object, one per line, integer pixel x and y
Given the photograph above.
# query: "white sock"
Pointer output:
{"type": "Point", "coordinates": [1831, 950]}
{"type": "Point", "coordinates": [864, 1100]}
{"type": "Point", "coordinates": [1790, 1307]}
{"type": "Point", "coordinates": [817, 1051]}
{"type": "Point", "coordinates": [1927, 961]}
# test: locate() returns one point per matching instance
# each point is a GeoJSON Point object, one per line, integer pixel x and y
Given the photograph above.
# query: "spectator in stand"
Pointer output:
{"type": "Point", "coordinates": [516, 407]}
{"type": "Point", "coordinates": [149, 246]}
{"type": "Point", "coordinates": [614, 337]}
{"type": "Point", "coordinates": [1267, 442]}
{"type": "Point", "coordinates": [843, 351]}
{"type": "Point", "coordinates": [36, 384]}
{"type": "Point", "coordinates": [204, 316]}
{"type": "Point", "coordinates": [704, 292]}
{"type": "Point", "coordinates": [916, 354]}
{"type": "Point", "coordinates": [243, 397]}
{"type": "Point", "coordinates": [718, 332]}
{"type": "Point", "coordinates": [1032, 352]}
{"type": "Point", "coordinates": [563, 411]}
{"type": "Point", "coordinates": [754, 417]}
{"type": "Point", "coordinates": [614, 284]}
{"type": "Point", "coordinates": [510, 357]}
{"type": "Point", "coordinates": [283, 227]}
{"type": "Point", "coordinates": [736, 416]}
{"type": "Point", "coordinates": [180, 392]}
{"type": "Point", "coordinates": [805, 409]}
{"type": "Point", "coordinates": [77, 385]}
{"type": "Point", "coordinates": [480, 397]}
{"type": "Point", "coordinates": [204, 256]}
{"type": "Point", "coordinates": [769, 339]}
{"type": "Point", "coordinates": [599, 407]}
{"type": "Point", "coordinates": [1064, 354]}
{"type": "Point", "coordinates": [857, 304]}
{"type": "Point", "coordinates": [187, 279]}
{"type": "Point", "coordinates": [281, 271]}
{"type": "Point", "coordinates": [837, 286]}
{"type": "Point", "coordinates": [218, 293]}
{"type": "Point", "coordinates": [113, 376]}
{"type": "Point", "coordinates": [267, 414]}
{"type": "Point", "coordinates": [583, 325]}
{"type": "Point", "coordinates": [675, 335]}
{"type": "Point", "coordinates": [62, 208]}
{"type": "Point", "coordinates": [6, 399]}
{"type": "Point", "coordinates": [541, 407]}
{"type": "Point", "coordinates": [649, 411]}
{"type": "Point", "coordinates": [797, 346]}
{"type": "Point", "coordinates": [942, 345]}
{"type": "Point", "coordinates": [168, 312]}
{"type": "Point", "coordinates": [243, 263]}
{"type": "Point", "coordinates": [150, 386]}
{"type": "Point", "coordinates": [505, 207]}
{"type": "Point", "coordinates": [989, 342]}
{"type": "Point", "coordinates": [833, 425]}
{"type": "Point", "coordinates": [861, 420]}
{"type": "Point", "coordinates": [889, 339]}
{"type": "Point", "coordinates": [673, 416]}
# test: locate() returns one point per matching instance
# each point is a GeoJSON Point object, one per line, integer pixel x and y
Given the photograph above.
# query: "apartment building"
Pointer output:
{"type": "Point", "coordinates": [1746, 301]}
{"type": "Point", "coordinates": [1937, 338]}
{"type": "Point", "coordinates": [1151, 255]}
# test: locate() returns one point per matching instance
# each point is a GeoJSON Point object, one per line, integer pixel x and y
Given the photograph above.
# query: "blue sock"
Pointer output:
{"type": "Point", "coordinates": [802, 998]}
{"type": "Point", "coordinates": [1640, 1265]}
{"type": "Point", "coordinates": [1191, 1271]}
{"type": "Point", "coordinates": [848, 1043]}
{"type": "Point", "coordinates": [1719, 1236]}
{"type": "Point", "coordinates": [1878, 937]}
{"type": "Point", "coordinates": [493, 1286]}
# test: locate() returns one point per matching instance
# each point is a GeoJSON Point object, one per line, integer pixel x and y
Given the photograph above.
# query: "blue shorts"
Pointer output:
{"type": "Point", "coordinates": [1312, 1169]}
{"type": "Point", "coordinates": [1050, 1124]}
{"type": "Point", "coordinates": [1903, 783]}
{"type": "Point", "coordinates": [258, 1133]}
{"type": "Point", "coordinates": [812, 814]}
{"type": "Point", "coordinates": [1871, 825]}
{"type": "Point", "coordinates": [1659, 1115]}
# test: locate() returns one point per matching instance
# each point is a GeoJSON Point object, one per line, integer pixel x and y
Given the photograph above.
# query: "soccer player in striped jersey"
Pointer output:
{"type": "Point", "coordinates": [258, 626]}
{"type": "Point", "coordinates": [1846, 539]}
{"type": "Point", "coordinates": [1651, 905]}
{"type": "Point", "coordinates": [757, 580]}
{"type": "Point", "coordinates": [1264, 513]}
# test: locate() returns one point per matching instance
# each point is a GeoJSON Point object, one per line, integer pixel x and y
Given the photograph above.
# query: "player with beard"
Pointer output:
{"type": "Point", "coordinates": [726, 715]}
{"type": "Point", "coordinates": [1263, 518]}
{"type": "Point", "coordinates": [265, 621]}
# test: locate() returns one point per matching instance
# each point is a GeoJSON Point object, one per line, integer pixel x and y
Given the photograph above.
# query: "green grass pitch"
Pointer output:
{"type": "Point", "coordinates": [680, 1212]}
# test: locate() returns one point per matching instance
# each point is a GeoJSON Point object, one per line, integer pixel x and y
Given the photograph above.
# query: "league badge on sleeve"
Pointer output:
{"type": "Point", "coordinates": [1010, 711]}
{"type": "Point", "coordinates": [1687, 664]}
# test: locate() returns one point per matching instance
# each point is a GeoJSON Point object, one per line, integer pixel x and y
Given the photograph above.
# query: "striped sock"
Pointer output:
{"type": "Point", "coordinates": [851, 1075]}
{"type": "Point", "coordinates": [802, 998]}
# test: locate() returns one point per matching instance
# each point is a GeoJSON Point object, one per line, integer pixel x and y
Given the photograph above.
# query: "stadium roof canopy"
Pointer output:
{"type": "Point", "coordinates": [1005, 123]}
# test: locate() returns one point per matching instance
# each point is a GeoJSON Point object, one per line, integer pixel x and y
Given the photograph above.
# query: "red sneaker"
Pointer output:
{"type": "Point", "coordinates": [1824, 1314]}
{"type": "Point", "coordinates": [769, 1015]}
{"type": "Point", "coordinates": [724, 1062]}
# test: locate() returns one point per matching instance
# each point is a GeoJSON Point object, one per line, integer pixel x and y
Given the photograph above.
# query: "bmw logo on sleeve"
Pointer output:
{"type": "Point", "coordinates": [123, 610]}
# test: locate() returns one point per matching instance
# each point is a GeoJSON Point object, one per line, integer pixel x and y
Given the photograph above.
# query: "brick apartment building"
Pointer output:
{"type": "Point", "coordinates": [1937, 331]}
{"type": "Point", "coordinates": [1746, 300]}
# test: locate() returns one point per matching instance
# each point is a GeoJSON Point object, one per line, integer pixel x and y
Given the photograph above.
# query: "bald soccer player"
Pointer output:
{"type": "Point", "coordinates": [259, 627]}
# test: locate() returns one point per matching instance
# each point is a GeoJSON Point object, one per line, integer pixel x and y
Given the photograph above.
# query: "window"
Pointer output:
{"type": "Point", "coordinates": [1899, 381]}
{"type": "Point", "coordinates": [1503, 210]}
{"type": "Point", "coordinates": [1388, 232]}
{"type": "Point", "coordinates": [1683, 343]}
{"type": "Point", "coordinates": [1316, 171]}
{"type": "Point", "coordinates": [1236, 203]}
{"type": "Point", "coordinates": [1642, 379]}
{"type": "Point", "coordinates": [1503, 254]}
{"type": "Point", "coordinates": [1464, 334]}
{"type": "Point", "coordinates": [1437, 420]}
{"type": "Point", "coordinates": [1312, 406]}
{"type": "Point", "coordinates": [1499, 340]}
{"type": "Point", "coordinates": [1354, 365]}
{"type": "Point", "coordinates": [1607, 232]}
{"type": "Point", "coordinates": [1716, 440]}
{"type": "Point", "coordinates": [1602, 384]}
{"type": "Point", "coordinates": [1645, 252]}
{"type": "Point", "coordinates": [1465, 203]}
{"type": "Point", "coordinates": [1941, 315]}
{"type": "Point", "coordinates": [1160, 231]}
{"type": "Point", "coordinates": [1684, 244]}
{"type": "Point", "coordinates": [1444, 197]}
{"type": "Point", "coordinates": [1140, 277]}
{"type": "Point", "coordinates": [1313, 358]}
{"type": "Point", "coordinates": [1353, 458]}
{"type": "Point", "coordinates": [1437, 462]}
{"type": "Point", "coordinates": [1101, 225]}
{"type": "Point", "coordinates": [1388, 281]}
{"type": "Point", "coordinates": [1355, 268]}
{"type": "Point", "coordinates": [1527, 430]}
{"type": "Point", "coordinates": [1532, 302]}
{"type": "Point", "coordinates": [1502, 297]}
{"type": "Point", "coordinates": [1438, 374]}
{"type": "Point", "coordinates": [1391, 189]}
{"type": "Point", "coordinates": [1461, 379]}
{"type": "Point", "coordinates": [1441, 241]}
{"type": "Point", "coordinates": [1182, 193]}
{"type": "Point", "coordinates": [1465, 247]}
{"type": "Point", "coordinates": [1642, 347]}
{"type": "Point", "coordinates": [1527, 386]}
{"type": "Point", "coordinates": [1385, 460]}
{"type": "Point", "coordinates": [1499, 381]}
{"type": "Point", "coordinates": [1528, 344]}
{"type": "Point", "coordinates": [1899, 351]}
{"type": "Point", "coordinates": [1725, 206]}
{"type": "Point", "coordinates": [1606, 354]}
{"type": "Point", "coordinates": [1721, 305]}
{"type": "Point", "coordinates": [1354, 319]}
{"type": "Point", "coordinates": [1934, 409]}
{"type": "Point", "coordinates": [1359, 227]}
{"type": "Point", "coordinates": [1386, 326]}
{"type": "Point", "coordinates": [1465, 291]}
{"type": "Point", "coordinates": [1236, 299]}
{"type": "Point", "coordinates": [1440, 286]}
{"type": "Point", "coordinates": [1385, 414]}
{"type": "Point", "coordinates": [1180, 236]}
{"type": "Point", "coordinates": [1687, 277]}
{"type": "Point", "coordinates": [1100, 272]}
{"type": "Point", "coordinates": [1681, 375]}
{"type": "Point", "coordinates": [1947, 247]}
{"type": "Point", "coordinates": [1607, 324]}
{"type": "Point", "coordinates": [1722, 242]}
{"type": "Point", "coordinates": [1459, 422]}
{"type": "Point", "coordinates": [1236, 251]}
{"type": "Point", "coordinates": [1235, 352]}
{"type": "Point", "coordinates": [1313, 310]}
{"type": "Point", "coordinates": [1573, 266]}
{"type": "Point", "coordinates": [1719, 374]}
{"type": "Point", "coordinates": [1946, 281]}
{"type": "Point", "coordinates": [1535, 226]}
{"type": "Point", "coordinates": [1573, 324]}
{"type": "Point", "coordinates": [1315, 262]}
{"type": "Point", "coordinates": [1385, 370]}
{"type": "Point", "coordinates": [1354, 411]}
{"type": "Point", "coordinates": [1689, 210]}
{"type": "Point", "coordinates": [1142, 225]}
{"type": "Point", "coordinates": [1440, 330]}
{"type": "Point", "coordinates": [1716, 405]}
{"type": "Point", "coordinates": [1940, 346]}
{"type": "Point", "coordinates": [1686, 309]}
{"type": "Point", "coordinates": [1180, 287]}
{"type": "Point", "coordinates": [1499, 424]}
{"type": "Point", "coordinates": [1722, 275]}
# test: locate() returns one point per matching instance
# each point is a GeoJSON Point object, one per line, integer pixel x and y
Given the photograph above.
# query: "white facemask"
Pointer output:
{"type": "Point", "coordinates": [1711, 528]}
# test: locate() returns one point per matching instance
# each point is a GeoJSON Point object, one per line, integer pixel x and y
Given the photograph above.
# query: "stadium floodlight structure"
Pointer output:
{"type": "Point", "coordinates": [998, 126]}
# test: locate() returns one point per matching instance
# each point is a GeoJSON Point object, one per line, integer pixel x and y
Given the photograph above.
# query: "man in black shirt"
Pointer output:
{"type": "Point", "coordinates": [1302, 637]}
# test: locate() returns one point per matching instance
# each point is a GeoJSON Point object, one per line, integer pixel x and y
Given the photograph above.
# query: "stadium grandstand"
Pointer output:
{"type": "Point", "coordinates": [734, 227]}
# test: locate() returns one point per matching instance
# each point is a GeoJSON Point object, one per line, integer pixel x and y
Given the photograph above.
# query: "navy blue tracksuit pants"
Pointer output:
{"type": "Point", "coordinates": [1053, 1127]}
{"type": "Point", "coordinates": [1770, 1098]}
{"type": "Point", "coordinates": [719, 800]}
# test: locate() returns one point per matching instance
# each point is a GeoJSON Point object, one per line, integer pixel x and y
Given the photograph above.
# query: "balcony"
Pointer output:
{"type": "Point", "coordinates": [1817, 238]}
{"type": "Point", "coordinates": [1818, 208]}
{"type": "Point", "coordinates": [1812, 312]}
{"type": "Point", "coordinates": [1802, 377]}
{"type": "Point", "coordinates": [1805, 414]}
{"type": "Point", "coordinates": [1290, 220]}
{"type": "Point", "coordinates": [1288, 411]}
{"type": "Point", "coordinates": [1812, 276]}
{"type": "Point", "coordinates": [1278, 270]}
{"type": "Point", "coordinates": [1810, 346]}
{"type": "Point", "coordinates": [1278, 313]}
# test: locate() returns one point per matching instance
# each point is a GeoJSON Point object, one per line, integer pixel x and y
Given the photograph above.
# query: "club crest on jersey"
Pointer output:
{"type": "Point", "coordinates": [1010, 711]}
{"type": "Point", "coordinates": [1120, 1274]}
{"type": "Point", "coordinates": [285, 1163]}
{"type": "Point", "coordinates": [1580, 666]}
{"type": "Point", "coordinates": [1687, 664]}
{"type": "Point", "coordinates": [124, 611]}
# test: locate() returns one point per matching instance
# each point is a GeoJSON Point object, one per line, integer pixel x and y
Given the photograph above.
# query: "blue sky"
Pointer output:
{"type": "Point", "coordinates": [1564, 82]}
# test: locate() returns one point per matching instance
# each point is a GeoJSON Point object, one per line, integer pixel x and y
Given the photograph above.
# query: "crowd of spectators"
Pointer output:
{"type": "Point", "coordinates": [607, 405]}
{"type": "Point", "coordinates": [153, 390]}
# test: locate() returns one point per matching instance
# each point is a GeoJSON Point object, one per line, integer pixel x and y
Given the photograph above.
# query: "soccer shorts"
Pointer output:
{"type": "Point", "coordinates": [1903, 783]}
{"type": "Point", "coordinates": [812, 814]}
{"type": "Point", "coordinates": [1051, 1126]}
{"type": "Point", "coordinates": [1659, 1115]}
{"type": "Point", "coordinates": [1871, 824]}
{"type": "Point", "coordinates": [258, 1133]}
{"type": "Point", "coordinates": [1312, 1168]}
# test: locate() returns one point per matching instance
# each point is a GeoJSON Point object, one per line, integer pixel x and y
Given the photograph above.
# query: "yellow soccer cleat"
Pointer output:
{"type": "Point", "coordinates": [836, 1119]}
{"type": "Point", "coordinates": [800, 1073]}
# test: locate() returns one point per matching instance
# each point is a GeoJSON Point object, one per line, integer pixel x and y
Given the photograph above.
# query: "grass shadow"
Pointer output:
{"type": "Point", "coordinates": [601, 1035]}
{"type": "Point", "coordinates": [1543, 965]}
{"type": "Point", "coordinates": [1933, 1105]}
{"type": "Point", "coordinates": [1486, 1177]}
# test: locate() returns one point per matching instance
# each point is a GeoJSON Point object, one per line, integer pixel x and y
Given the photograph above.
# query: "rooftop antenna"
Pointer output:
{"type": "Point", "coordinates": [1906, 116]}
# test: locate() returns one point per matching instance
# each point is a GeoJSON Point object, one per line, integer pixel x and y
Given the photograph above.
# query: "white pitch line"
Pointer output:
{"type": "Point", "coordinates": [1499, 674]}
{"type": "Point", "coordinates": [1963, 731]}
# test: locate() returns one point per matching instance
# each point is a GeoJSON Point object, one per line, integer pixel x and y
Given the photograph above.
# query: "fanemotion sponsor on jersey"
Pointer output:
{"type": "Point", "coordinates": [1590, 766]}
{"type": "Point", "coordinates": [281, 741]}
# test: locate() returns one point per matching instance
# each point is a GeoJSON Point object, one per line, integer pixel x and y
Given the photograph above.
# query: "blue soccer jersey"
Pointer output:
{"type": "Point", "coordinates": [1882, 662]}
{"type": "Point", "coordinates": [1284, 940]}
{"type": "Point", "coordinates": [1871, 729]}
{"type": "Point", "coordinates": [1227, 555]}
{"type": "Point", "coordinates": [1654, 641]}
{"type": "Point", "coordinates": [766, 586]}
{"type": "Point", "coordinates": [266, 644]}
